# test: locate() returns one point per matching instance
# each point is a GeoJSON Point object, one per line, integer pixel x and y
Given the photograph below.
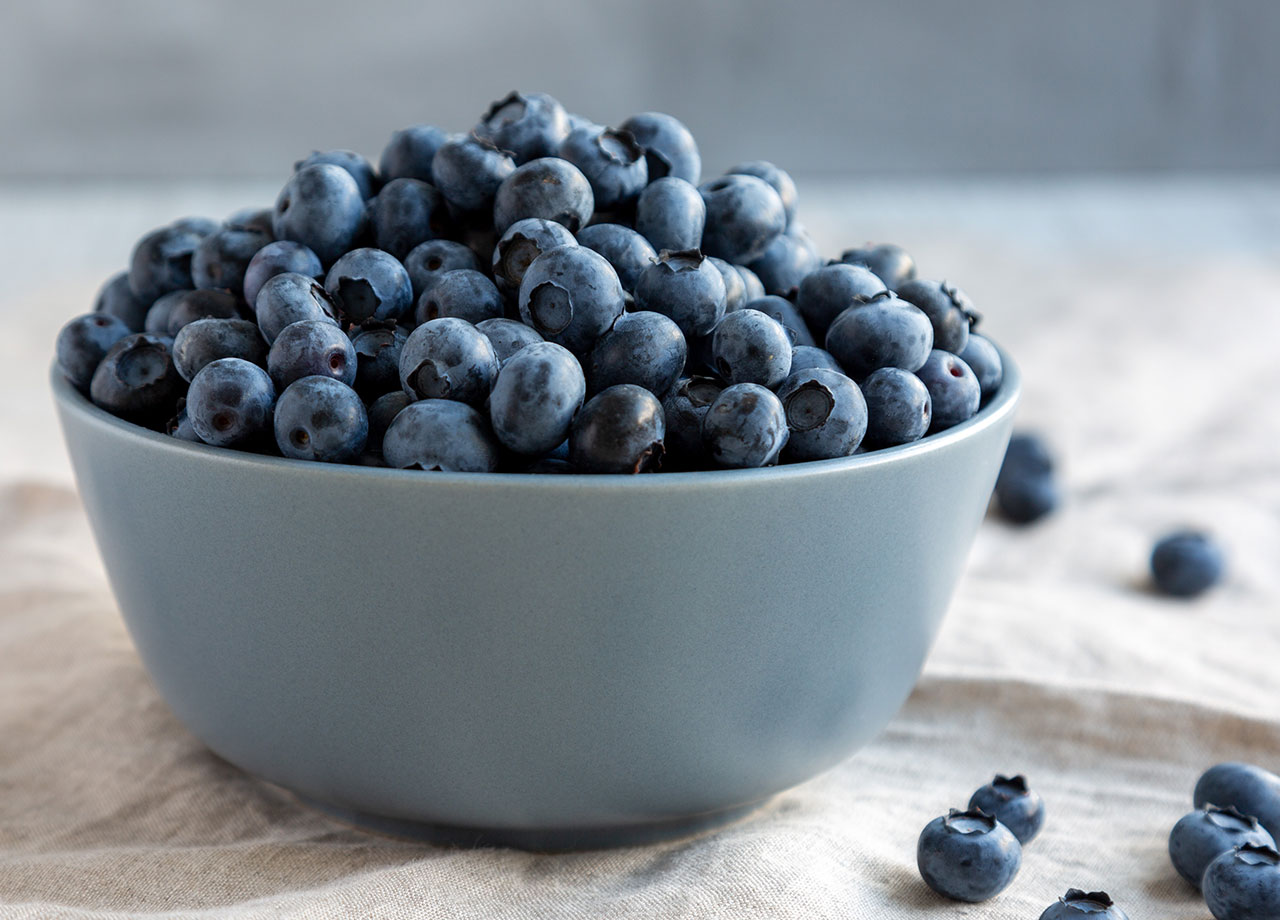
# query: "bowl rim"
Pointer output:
{"type": "Point", "coordinates": [1001, 405]}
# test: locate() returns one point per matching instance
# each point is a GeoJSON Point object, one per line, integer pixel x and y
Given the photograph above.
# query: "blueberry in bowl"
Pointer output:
{"type": "Point", "coordinates": [387, 613]}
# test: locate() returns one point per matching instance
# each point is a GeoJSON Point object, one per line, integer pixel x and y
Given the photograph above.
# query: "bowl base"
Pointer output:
{"type": "Point", "coordinates": [542, 840]}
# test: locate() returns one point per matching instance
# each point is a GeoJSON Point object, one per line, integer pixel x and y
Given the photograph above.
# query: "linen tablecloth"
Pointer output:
{"type": "Point", "coordinates": [1146, 316]}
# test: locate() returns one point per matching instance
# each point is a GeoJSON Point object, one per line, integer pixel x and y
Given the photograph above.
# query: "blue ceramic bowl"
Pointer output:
{"type": "Point", "coordinates": [546, 661]}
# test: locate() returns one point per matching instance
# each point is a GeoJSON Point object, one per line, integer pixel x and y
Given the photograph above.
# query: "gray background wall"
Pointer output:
{"type": "Point", "coordinates": [131, 88]}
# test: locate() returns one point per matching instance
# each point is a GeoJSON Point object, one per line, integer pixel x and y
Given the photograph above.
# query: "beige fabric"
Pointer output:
{"type": "Point", "coordinates": [1153, 369]}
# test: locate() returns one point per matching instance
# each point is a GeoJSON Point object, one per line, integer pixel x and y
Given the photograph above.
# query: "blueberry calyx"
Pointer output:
{"type": "Point", "coordinates": [863, 299]}
{"type": "Point", "coordinates": [1088, 902]}
{"type": "Point", "coordinates": [681, 260]}
{"type": "Point", "coordinates": [1230, 817]}
{"type": "Point", "coordinates": [961, 303]}
{"type": "Point", "coordinates": [809, 406]}
{"type": "Point", "coordinates": [1255, 855]}
{"type": "Point", "coordinates": [619, 145]}
{"type": "Point", "coordinates": [969, 821]}
{"type": "Point", "coordinates": [551, 308]}
{"type": "Point", "coordinates": [1016, 785]}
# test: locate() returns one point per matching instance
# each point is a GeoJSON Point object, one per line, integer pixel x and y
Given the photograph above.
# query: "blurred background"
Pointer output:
{"type": "Point", "coordinates": [146, 88]}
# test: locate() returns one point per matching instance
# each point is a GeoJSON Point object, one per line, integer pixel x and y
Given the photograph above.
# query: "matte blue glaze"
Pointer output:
{"type": "Point", "coordinates": [565, 697]}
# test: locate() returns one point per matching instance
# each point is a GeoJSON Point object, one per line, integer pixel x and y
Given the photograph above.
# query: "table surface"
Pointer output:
{"type": "Point", "coordinates": [1144, 314]}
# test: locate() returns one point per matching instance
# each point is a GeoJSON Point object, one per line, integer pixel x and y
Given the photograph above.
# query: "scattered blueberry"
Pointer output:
{"type": "Point", "coordinates": [377, 346]}
{"type": "Point", "coordinates": [883, 332]}
{"type": "Point", "coordinates": [1202, 836]}
{"type": "Point", "coordinates": [275, 259]}
{"type": "Point", "coordinates": [671, 214]}
{"type": "Point", "coordinates": [1243, 884]}
{"type": "Point", "coordinates": [1250, 789]}
{"type": "Point", "coordinates": [627, 251]}
{"type": "Point", "coordinates": [529, 125]}
{"type": "Point", "coordinates": [891, 264]}
{"type": "Point", "coordinates": [827, 292]}
{"type": "Point", "coordinates": [117, 299]}
{"type": "Point", "coordinates": [1026, 489]}
{"type": "Point", "coordinates": [311, 348]}
{"type": "Point", "coordinates": [968, 856]}
{"type": "Point", "coordinates": [289, 298]}
{"type": "Point", "coordinates": [549, 188]}
{"type": "Point", "coordinates": [230, 402]}
{"type": "Point", "coordinates": [571, 295]}
{"type": "Point", "coordinates": [619, 430]}
{"type": "Point", "coordinates": [898, 407]}
{"type": "Point", "coordinates": [1014, 804]}
{"type": "Point", "coordinates": [611, 160]}
{"type": "Point", "coordinates": [1186, 564]}
{"type": "Point", "coordinates": [428, 261]}
{"type": "Point", "coordinates": [643, 348]}
{"type": "Point", "coordinates": [440, 435]}
{"type": "Point", "coordinates": [751, 347]}
{"type": "Point", "coordinates": [370, 284]}
{"type": "Point", "coordinates": [322, 208]}
{"type": "Point", "coordinates": [410, 152]}
{"type": "Point", "coordinates": [523, 242]}
{"type": "Point", "coordinates": [206, 340]}
{"type": "Point", "coordinates": [953, 389]}
{"type": "Point", "coordinates": [668, 146]}
{"type": "Point", "coordinates": [405, 213]}
{"type": "Point", "coordinates": [161, 262]}
{"type": "Point", "coordinates": [136, 380]}
{"type": "Point", "coordinates": [948, 308]}
{"type": "Point", "coordinates": [507, 336]}
{"type": "Point", "coordinates": [468, 170]}
{"type": "Point", "coordinates": [320, 418]}
{"type": "Point", "coordinates": [84, 342]}
{"type": "Point", "coordinates": [745, 427]}
{"type": "Point", "coordinates": [463, 293]}
{"type": "Point", "coordinates": [984, 360]}
{"type": "Point", "coordinates": [448, 358]}
{"type": "Point", "coordinates": [686, 287]}
{"type": "Point", "coordinates": [534, 400]}
{"type": "Point", "coordinates": [1084, 905]}
{"type": "Point", "coordinates": [826, 415]}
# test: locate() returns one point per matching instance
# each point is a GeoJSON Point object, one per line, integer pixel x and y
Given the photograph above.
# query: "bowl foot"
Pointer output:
{"type": "Point", "coordinates": [545, 840]}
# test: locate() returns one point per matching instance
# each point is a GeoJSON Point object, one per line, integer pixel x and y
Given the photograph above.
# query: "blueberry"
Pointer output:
{"type": "Point", "coordinates": [735, 289]}
{"type": "Point", "coordinates": [984, 361]}
{"type": "Point", "coordinates": [161, 262]}
{"type": "Point", "coordinates": [1084, 905]}
{"type": "Point", "coordinates": [751, 282]}
{"type": "Point", "coordinates": [405, 213]}
{"type": "Point", "coordinates": [230, 402]}
{"type": "Point", "coordinates": [319, 418]}
{"type": "Point", "coordinates": [898, 407]}
{"type": "Point", "coordinates": [806, 357]}
{"type": "Point", "coordinates": [611, 160]}
{"type": "Point", "coordinates": [1202, 836]}
{"type": "Point", "coordinates": [1026, 499]}
{"type": "Point", "coordinates": [448, 358]}
{"type": "Point", "coordinates": [290, 297]}
{"type": "Point", "coordinates": [463, 293]}
{"type": "Point", "coordinates": [428, 261]}
{"type": "Point", "coordinates": [1244, 884]}
{"type": "Point", "coordinates": [311, 348]}
{"type": "Point", "coordinates": [830, 290]}
{"type": "Point", "coordinates": [529, 125]}
{"type": "Point", "coordinates": [1250, 789]}
{"type": "Point", "coordinates": [668, 146]}
{"type": "Point", "coordinates": [223, 256]}
{"type": "Point", "coordinates": [523, 242]}
{"type": "Point", "coordinates": [322, 208]}
{"type": "Point", "coordinates": [468, 170]}
{"type": "Point", "coordinates": [745, 427]}
{"type": "Point", "coordinates": [686, 287]}
{"type": "Point", "coordinates": [276, 259]}
{"type": "Point", "coordinates": [206, 340]}
{"type": "Point", "coordinates": [968, 856]}
{"type": "Point", "coordinates": [377, 346]}
{"type": "Point", "coordinates": [744, 215]}
{"type": "Point", "coordinates": [671, 214]}
{"type": "Point", "coordinates": [360, 169]}
{"type": "Point", "coordinates": [188, 306]}
{"type": "Point", "coordinates": [571, 295]}
{"type": "Point", "coordinates": [884, 332]}
{"type": "Point", "coordinates": [826, 415]}
{"type": "Point", "coordinates": [643, 348]}
{"type": "Point", "coordinates": [1186, 564]}
{"type": "Point", "coordinates": [370, 284]}
{"type": "Point", "coordinates": [381, 413]}
{"type": "Point", "coordinates": [785, 263]}
{"type": "Point", "coordinates": [535, 397]}
{"type": "Point", "coordinates": [627, 251]}
{"type": "Point", "coordinates": [953, 389]}
{"type": "Point", "coordinates": [507, 336]}
{"type": "Point", "coordinates": [891, 264]}
{"type": "Point", "coordinates": [254, 220]}
{"type": "Point", "coordinates": [750, 347]}
{"type": "Point", "coordinates": [550, 465]}
{"type": "Point", "coordinates": [782, 183]}
{"type": "Point", "coordinates": [619, 430]}
{"type": "Point", "coordinates": [157, 321]}
{"type": "Point", "coordinates": [200, 226]}
{"type": "Point", "coordinates": [117, 299]}
{"type": "Point", "coordinates": [948, 308]}
{"type": "Point", "coordinates": [684, 408]}
{"type": "Point", "coordinates": [84, 342]}
{"type": "Point", "coordinates": [440, 435]}
{"type": "Point", "coordinates": [549, 188]}
{"type": "Point", "coordinates": [1014, 804]}
{"type": "Point", "coordinates": [180, 425]}
{"type": "Point", "coordinates": [1028, 455]}
{"type": "Point", "coordinates": [786, 314]}
{"type": "Point", "coordinates": [409, 153]}
{"type": "Point", "coordinates": [136, 379]}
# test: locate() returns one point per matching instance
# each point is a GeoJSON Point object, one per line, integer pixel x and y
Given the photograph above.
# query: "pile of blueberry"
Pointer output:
{"type": "Point", "coordinates": [541, 294]}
